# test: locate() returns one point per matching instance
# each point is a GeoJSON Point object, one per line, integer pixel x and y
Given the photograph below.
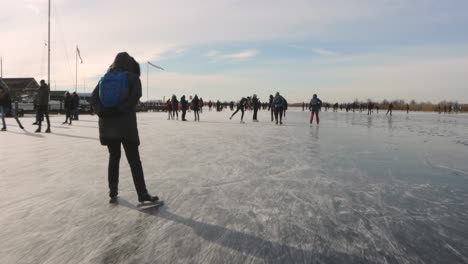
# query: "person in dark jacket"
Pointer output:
{"type": "Point", "coordinates": [278, 104]}
{"type": "Point", "coordinates": [68, 105]}
{"type": "Point", "coordinates": [285, 108]}
{"type": "Point", "coordinates": [196, 107]}
{"type": "Point", "coordinates": [175, 106]}
{"type": "Point", "coordinates": [169, 109]}
{"type": "Point", "coordinates": [5, 106]}
{"type": "Point", "coordinates": [270, 106]}
{"type": "Point", "coordinates": [314, 107]}
{"type": "Point", "coordinates": [43, 105]}
{"type": "Point", "coordinates": [390, 109]}
{"type": "Point", "coordinates": [256, 106]}
{"type": "Point", "coordinates": [184, 105]}
{"type": "Point", "coordinates": [76, 106]}
{"type": "Point", "coordinates": [240, 107]}
{"type": "Point", "coordinates": [118, 126]}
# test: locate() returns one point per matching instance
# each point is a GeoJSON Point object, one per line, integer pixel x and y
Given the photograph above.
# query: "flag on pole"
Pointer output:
{"type": "Point", "coordinates": [156, 66]}
{"type": "Point", "coordinates": [79, 55]}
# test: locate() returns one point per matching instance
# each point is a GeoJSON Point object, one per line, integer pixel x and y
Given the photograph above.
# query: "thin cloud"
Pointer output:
{"type": "Point", "coordinates": [240, 56]}
{"type": "Point", "coordinates": [325, 52]}
{"type": "Point", "coordinates": [212, 53]}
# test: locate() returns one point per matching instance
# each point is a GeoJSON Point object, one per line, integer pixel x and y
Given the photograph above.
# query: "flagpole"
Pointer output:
{"type": "Point", "coordinates": [76, 68]}
{"type": "Point", "coordinates": [147, 81]}
{"type": "Point", "coordinates": [48, 52]}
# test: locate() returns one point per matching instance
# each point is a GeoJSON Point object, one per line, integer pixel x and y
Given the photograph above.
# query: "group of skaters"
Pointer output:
{"type": "Point", "coordinates": [41, 104]}
{"type": "Point", "coordinates": [172, 107]}
{"type": "Point", "coordinates": [71, 104]}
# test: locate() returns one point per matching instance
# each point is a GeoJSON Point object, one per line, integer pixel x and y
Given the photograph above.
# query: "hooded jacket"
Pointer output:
{"type": "Point", "coordinates": [120, 124]}
{"type": "Point", "coordinates": [279, 102]}
{"type": "Point", "coordinates": [315, 104]}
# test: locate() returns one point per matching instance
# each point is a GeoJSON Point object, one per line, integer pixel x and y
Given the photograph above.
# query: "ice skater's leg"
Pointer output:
{"type": "Point", "coordinates": [318, 118]}
{"type": "Point", "coordinates": [276, 115]}
{"type": "Point", "coordinates": [113, 169]}
{"type": "Point", "coordinates": [47, 118]}
{"type": "Point", "coordinates": [242, 116]}
{"type": "Point", "coordinates": [13, 113]}
{"type": "Point", "coordinates": [133, 157]}
{"type": "Point", "coordinates": [2, 109]}
{"type": "Point", "coordinates": [235, 112]}
{"type": "Point", "coordinates": [312, 117]}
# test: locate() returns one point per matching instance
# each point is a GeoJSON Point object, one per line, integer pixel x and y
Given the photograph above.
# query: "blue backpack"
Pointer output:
{"type": "Point", "coordinates": [113, 88]}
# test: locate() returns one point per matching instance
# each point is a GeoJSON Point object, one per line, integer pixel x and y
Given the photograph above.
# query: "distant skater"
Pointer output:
{"type": "Point", "coordinates": [5, 106]}
{"type": "Point", "coordinates": [43, 105]}
{"type": "Point", "coordinates": [175, 107]}
{"type": "Point", "coordinates": [240, 107]}
{"type": "Point", "coordinates": [285, 108]}
{"type": "Point", "coordinates": [390, 109]}
{"type": "Point", "coordinates": [116, 108]}
{"type": "Point", "coordinates": [407, 108]}
{"type": "Point", "coordinates": [196, 107]}
{"type": "Point", "coordinates": [169, 109]}
{"type": "Point", "coordinates": [303, 106]}
{"type": "Point", "coordinates": [184, 105]}
{"type": "Point", "coordinates": [76, 106]}
{"type": "Point", "coordinates": [370, 108]}
{"type": "Point", "coordinates": [270, 106]}
{"type": "Point", "coordinates": [68, 105]}
{"type": "Point", "coordinates": [279, 103]}
{"type": "Point", "coordinates": [256, 106]}
{"type": "Point", "coordinates": [315, 105]}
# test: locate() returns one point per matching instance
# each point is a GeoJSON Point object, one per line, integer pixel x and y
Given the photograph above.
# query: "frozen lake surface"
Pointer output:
{"type": "Point", "coordinates": [357, 189]}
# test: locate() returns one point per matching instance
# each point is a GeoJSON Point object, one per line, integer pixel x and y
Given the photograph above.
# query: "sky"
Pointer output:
{"type": "Point", "coordinates": [341, 50]}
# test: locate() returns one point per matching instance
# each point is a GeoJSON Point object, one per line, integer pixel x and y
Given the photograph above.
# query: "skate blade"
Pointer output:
{"type": "Point", "coordinates": [150, 204]}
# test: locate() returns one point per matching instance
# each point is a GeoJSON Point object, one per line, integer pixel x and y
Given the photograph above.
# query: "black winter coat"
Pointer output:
{"type": "Point", "coordinates": [184, 103]}
{"type": "Point", "coordinates": [5, 101]}
{"type": "Point", "coordinates": [120, 124]}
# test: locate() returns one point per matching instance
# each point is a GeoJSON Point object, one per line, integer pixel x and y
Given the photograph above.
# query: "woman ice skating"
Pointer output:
{"type": "Point", "coordinates": [278, 103]}
{"type": "Point", "coordinates": [175, 107]}
{"type": "Point", "coordinates": [169, 109]}
{"type": "Point", "coordinates": [240, 107]}
{"type": "Point", "coordinates": [314, 107]}
{"type": "Point", "coordinates": [116, 108]}
{"type": "Point", "coordinates": [196, 107]}
{"type": "Point", "coordinates": [5, 106]}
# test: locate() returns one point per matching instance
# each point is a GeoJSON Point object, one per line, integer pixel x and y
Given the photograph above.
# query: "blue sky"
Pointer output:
{"type": "Point", "coordinates": [225, 49]}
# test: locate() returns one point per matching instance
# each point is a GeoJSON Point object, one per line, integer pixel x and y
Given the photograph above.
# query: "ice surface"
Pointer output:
{"type": "Point", "coordinates": [357, 189]}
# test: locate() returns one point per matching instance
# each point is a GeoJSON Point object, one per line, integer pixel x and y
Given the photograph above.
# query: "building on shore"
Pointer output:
{"type": "Point", "coordinates": [20, 86]}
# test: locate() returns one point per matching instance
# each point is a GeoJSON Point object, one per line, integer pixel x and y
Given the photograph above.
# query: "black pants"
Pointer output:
{"type": "Point", "coordinates": [43, 110]}
{"type": "Point", "coordinates": [272, 111]}
{"type": "Point", "coordinates": [133, 157]}
{"type": "Point", "coordinates": [255, 113]}
{"type": "Point", "coordinates": [279, 111]}
{"type": "Point", "coordinates": [184, 111]}
{"type": "Point", "coordinates": [69, 116]}
{"type": "Point", "coordinates": [197, 115]}
{"type": "Point", "coordinates": [239, 109]}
